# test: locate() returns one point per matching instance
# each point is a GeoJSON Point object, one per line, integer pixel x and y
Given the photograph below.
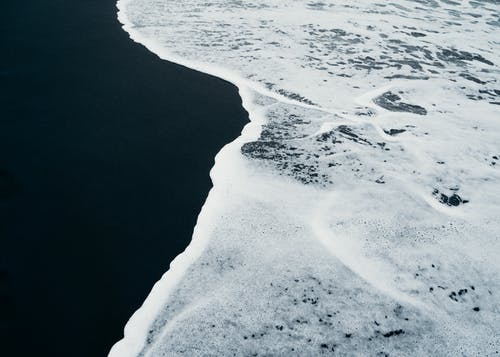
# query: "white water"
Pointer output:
{"type": "Point", "coordinates": [325, 232]}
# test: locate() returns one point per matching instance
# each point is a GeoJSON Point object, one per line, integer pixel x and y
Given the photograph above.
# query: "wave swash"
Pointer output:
{"type": "Point", "coordinates": [359, 211]}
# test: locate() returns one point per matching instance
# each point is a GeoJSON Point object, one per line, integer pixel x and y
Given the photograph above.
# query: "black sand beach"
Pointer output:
{"type": "Point", "coordinates": [105, 152]}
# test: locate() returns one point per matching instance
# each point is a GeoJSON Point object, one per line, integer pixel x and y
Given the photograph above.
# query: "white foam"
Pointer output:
{"type": "Point", "coordinates": [325, 230]}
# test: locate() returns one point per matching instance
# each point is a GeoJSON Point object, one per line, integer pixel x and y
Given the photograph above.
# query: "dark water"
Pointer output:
{"type": "Point", "coordinates": [104, 158]}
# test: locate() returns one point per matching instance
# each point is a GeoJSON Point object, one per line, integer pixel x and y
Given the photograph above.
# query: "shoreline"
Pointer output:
{"type": "Point", "coordinates": [165, 321]}
{"type": "Point", "coordinates": [104, 143]}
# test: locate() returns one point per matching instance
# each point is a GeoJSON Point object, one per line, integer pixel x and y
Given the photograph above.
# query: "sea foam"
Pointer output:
{"type": "Point", "coordinates": [358, 212]}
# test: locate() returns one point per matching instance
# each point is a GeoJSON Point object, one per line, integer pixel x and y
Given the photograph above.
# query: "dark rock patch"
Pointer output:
{"type": "Point", "coordinates": [393, 132]}
{"type": "Point", "coordinates": [456, 56]}
{"type": "Point", "coordinates": [328, 137]}
{"type": "Point", "coordinates": [490, 94]}
{"type": "Point", "coordinates": [349, 134]}
{"type": "Point", "coordinates": [266, 150]}
{"type": "Point", "coordinates": [418, 34]}
{"type": "Point", "coordinates": [392, 102]}
{"type": "Point", "coordinates": [393, 333]}
{"type": "Point", "coordinates": [403, 76]}
{"type": "Point", "coordinates": [471, 78]}
{"type": "Point", "coordinates": [380, 180]}
{"type": "Point", "coordinates": [449, 200]}
{"type": "Point", "coordinates": [295, 96]}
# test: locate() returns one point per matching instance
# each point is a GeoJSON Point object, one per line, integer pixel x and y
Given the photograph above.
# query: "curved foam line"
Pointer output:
{"type": "Point", "coordinates": [214, 70]}
{"type": "Point", "coordinates": [370, 276]}
{"type": "Point", "coordinates": [138, 325]}
{"type": "Point", "coordinates": [135, 331]}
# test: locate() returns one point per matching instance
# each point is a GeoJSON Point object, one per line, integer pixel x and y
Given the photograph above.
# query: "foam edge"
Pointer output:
{"type": "Point", "coordinates": [136, 329]}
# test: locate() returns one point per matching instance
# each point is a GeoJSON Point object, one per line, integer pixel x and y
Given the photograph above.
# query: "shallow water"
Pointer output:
{"type": "Point", "coordinates": [358, 212]}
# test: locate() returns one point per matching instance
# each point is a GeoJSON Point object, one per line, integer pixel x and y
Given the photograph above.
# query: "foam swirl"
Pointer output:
{"type": "Point", "coordinates": [358, 213]}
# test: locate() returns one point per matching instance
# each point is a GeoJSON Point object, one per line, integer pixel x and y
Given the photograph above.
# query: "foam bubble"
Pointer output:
{"type": "Point", "coordinates": [358, 211]}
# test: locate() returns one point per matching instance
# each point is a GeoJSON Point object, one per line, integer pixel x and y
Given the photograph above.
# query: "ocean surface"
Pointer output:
{"type": "Point", "coordinates": [105, 153]}
{"type": "Point", "coordinates": [358, 212]}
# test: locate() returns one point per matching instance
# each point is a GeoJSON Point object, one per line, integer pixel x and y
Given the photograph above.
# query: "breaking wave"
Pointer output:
{"type": "Point", "coordinates": [358, 212]}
